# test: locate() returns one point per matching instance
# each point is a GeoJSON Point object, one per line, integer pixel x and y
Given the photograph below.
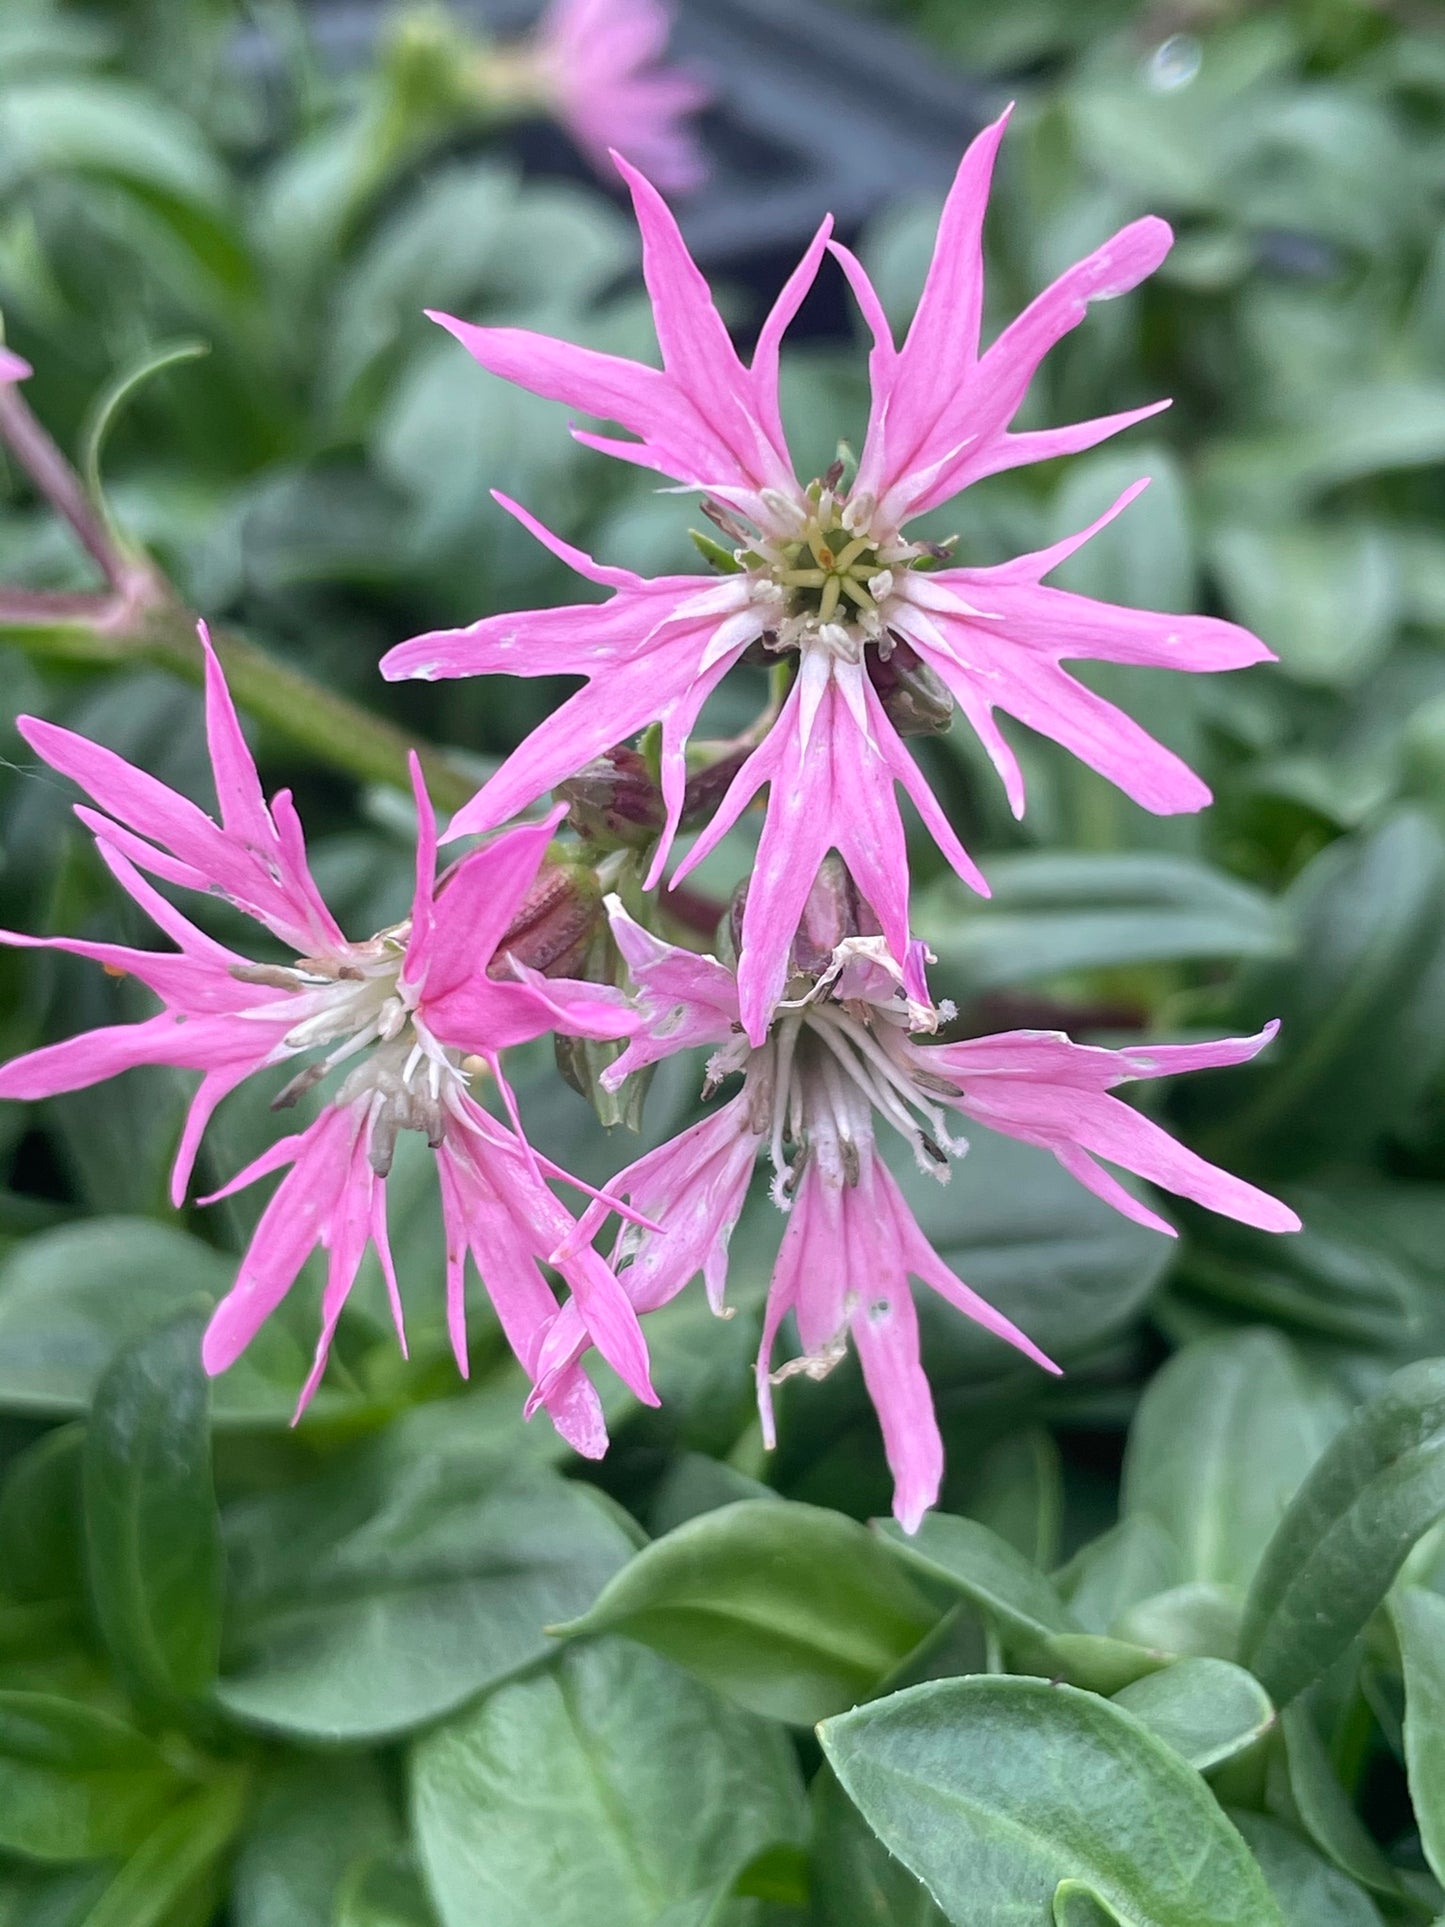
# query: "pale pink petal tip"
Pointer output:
{"type": "Point", "coordinates": [221, 1344]}
{"type": "Point", "coordinates": [13, 368]}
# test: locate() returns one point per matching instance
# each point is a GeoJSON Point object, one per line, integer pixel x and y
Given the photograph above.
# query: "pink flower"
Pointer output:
{"type": "Point", "coordinates": [845, 1052]}
{"type": "Point", "coordinates": [409, 1019]}
{"type": "Point", "coordinates": [13, 368]}
{"type": "Point", "coordinates": [825, 575]}
{"type": "Point", "coordinates": [600, 63]}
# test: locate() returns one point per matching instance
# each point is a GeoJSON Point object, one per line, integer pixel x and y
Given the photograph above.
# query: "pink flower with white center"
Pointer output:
{"type": "Point", "coordinates": [843, 1054]}
{"type": "Point", "coordinates": [601, 70]}
{"type": "Point", "coordinates": [408, 1018]}
{"type": "Point", "coordinates": [825, 575]}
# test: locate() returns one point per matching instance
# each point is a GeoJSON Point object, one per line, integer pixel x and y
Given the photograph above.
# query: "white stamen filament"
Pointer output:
{"type": "Point", "coordinates": [821, 574]}
{"type": "Point", "coordinates": [358, 1004]}
{"type": "Point", "coordinates": [818, 1080]}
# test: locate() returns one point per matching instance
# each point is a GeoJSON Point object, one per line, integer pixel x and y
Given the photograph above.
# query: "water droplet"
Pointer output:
{"type": "Point", "coordinates": [1173, 64]}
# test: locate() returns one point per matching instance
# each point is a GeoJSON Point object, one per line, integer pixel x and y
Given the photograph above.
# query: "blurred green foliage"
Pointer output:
{"type": "Point", "coordinates": [303, 1679]}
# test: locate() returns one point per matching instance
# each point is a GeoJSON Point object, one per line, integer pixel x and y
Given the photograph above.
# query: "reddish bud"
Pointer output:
{"type": "Point", "coordinates": [554, 928]}
{"type": "Point", "coordinates": [835, 909]}
{"type": "Point", "coordinates": [614, 800]}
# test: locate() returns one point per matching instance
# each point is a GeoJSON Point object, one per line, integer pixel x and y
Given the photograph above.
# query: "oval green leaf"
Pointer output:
{"type": "Point", "coordinates": [1375, 1490]}
{"type": "Point", "coordinates": [407, 1579]}
{"type": "Point", "coordinates": [996, 1791]}
{"type": "Point", "coordinates": [596, 1793]}
{"type": "Point", "coordinates": [152, 1533]}
{"type": "Point", "coordinates": [1221, 1441]}
{"type": "Point", "coordinates": [791, 1610]}
{"type": "Point", "coordinates": [71, 1297]}
{"type": "Point", "coordinates": [1206, 1710]}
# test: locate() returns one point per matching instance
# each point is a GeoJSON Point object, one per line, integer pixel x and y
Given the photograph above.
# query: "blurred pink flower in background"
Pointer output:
{"type": "Point", "coordinates": [601, 69]}
{"type": "Point", "coordinates": [411, 1013]}
{"type": "Point", "coordinates": [823, 575]}
{"type": "Point", "coordinates": [13, 367]}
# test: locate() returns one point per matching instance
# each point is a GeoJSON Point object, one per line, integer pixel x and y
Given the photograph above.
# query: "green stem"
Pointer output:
{"type": "Point", "coordinates": [334, 729]}
{"type": "Point", "coordinates": [140, 618]}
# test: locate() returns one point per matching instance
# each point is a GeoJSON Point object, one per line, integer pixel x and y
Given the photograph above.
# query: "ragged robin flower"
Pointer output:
{"type": "Point", "coordinates": [851, 1056]}
{"type": "Point", "coordinates": [404, 1024]}
{"type": "Point", "coordinates": [825, 576]}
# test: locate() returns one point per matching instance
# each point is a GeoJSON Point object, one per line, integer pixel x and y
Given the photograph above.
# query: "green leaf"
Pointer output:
{"type": "Point", "coordinates": [1207, 1710]}
{"type": "Point", "coordinates": [790, 1610]}
{"type": "Point", "coordinates": [966, 1557]}
{"type": "Point", "coordinates": [1015, 1487]}
{"type": "Point", "coordinates": [1131, 1562]}
{"type": "Point", "coordinates": [1309, 1891]}
{"type": "Point", "coordinates": [76, 1783]}
{"type": "Point", "coordinates": [303, 1836]}
{"type": "Point", "coordinates": [384, 1891]}
{"type": "Point", "coordinates": [596, 1793]}
{"type": "Point", "coordinates": [1325, 598]}
{"type": "Point", "coordinates": [856, 1880]}
{"type": "Point", "coordinates": [107, 127]}
{"type": "Point", "coordinates": [1420, 1626]}
{"type": "Point", "coordinates": [994, 1791]}
{"type": "Point", "coordinates": [49, 1896]}
{"type": "Point", "coordinates": [1315, 1798]}
{"type": "Point", "coordinates": [174, 1859]}
{"type": "Point", "coordinates": [70, 1298]}
{"type": "Point", "coordinates": [1342, 1275]}
{"type": "Point", "coordinates": [116, 134]}
{"type": "Point", "coordinates": [1219, 1445]}
{"type": "Point", "coordinates": [1359, 1007]}
{"type": "Point", "coordinates": [41, 1528]}
{"type": "Point", "coordinates": [1376, 1489]}
{"type": "Point", "coordinates": [152, 1534]}
{"type": "Point", "coordinates": [414, 1574]}
{"type": "Point", "coordinates": [1019, 1603]}
{"type": "Point", "coordinates": [1199, 1619]}
{"type": "Point", "coordinates": [1059, 911]}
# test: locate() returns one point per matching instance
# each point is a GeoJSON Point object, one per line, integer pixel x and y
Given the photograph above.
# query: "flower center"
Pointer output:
{"type": "Point", "coordinates": [818, 1082]}
{"type": "Point", "coordinates": [356, 1002]}
{"type": "Point", "coordinates": [831, 573]}
{"type": "Point", "coordinates": [822, 571]}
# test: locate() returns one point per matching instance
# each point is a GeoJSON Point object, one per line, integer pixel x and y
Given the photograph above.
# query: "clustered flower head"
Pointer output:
{"type": "Point", "coordinates": [825, 1051]}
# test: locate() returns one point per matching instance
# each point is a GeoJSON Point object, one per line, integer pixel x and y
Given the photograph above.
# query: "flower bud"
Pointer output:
{"type": "Point", "coordinates": [834, 911]}
{"type": "Point", "coordinates": [554, 928]}
{"type": "Point", "coordinates": [915, 698]}
{"type": "Point", "coordinates": [615, 801]}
